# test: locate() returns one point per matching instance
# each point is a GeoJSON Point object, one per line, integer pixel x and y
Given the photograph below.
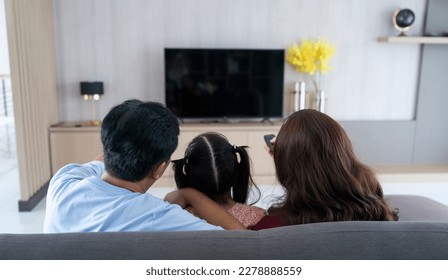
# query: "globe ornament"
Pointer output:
{"type": "Point", "coordinates": [402, 20]}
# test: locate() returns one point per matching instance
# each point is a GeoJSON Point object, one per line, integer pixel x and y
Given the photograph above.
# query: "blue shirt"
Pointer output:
{"type": "Point", "coordinates": [79, 201]}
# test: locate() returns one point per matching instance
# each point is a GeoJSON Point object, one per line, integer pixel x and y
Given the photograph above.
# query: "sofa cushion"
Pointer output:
{"type": "Point", "coordinates": [418, 208]}
{"type": "Point", "coordinates": [357, 240]}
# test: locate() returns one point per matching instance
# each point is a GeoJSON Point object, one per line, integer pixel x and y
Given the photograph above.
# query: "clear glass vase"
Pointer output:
{"type": "Point", "coordinates": [320, 101]}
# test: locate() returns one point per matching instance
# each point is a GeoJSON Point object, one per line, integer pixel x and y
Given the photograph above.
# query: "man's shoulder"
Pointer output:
{"type": "Point", "coordinates": [81, 170]}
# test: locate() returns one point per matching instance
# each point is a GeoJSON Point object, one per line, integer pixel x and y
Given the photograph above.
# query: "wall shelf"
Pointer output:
{"type": "Point", "coordinates": [414, 39]}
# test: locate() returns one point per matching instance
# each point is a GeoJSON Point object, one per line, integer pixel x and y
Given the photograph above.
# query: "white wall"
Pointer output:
{"type": "Point", "coordinates": [121, 43]}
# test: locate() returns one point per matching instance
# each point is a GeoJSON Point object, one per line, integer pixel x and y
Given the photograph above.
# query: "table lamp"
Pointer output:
{"type": "Point", "coordinates": [92, 91]}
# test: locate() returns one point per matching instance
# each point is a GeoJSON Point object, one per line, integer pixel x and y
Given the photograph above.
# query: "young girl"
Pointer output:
{"type": "Point", "coordinates": [222, 172]}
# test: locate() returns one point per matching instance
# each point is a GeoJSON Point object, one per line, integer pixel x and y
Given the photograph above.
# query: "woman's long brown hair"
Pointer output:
{"type": "Point", "coordinates": [323, 179]}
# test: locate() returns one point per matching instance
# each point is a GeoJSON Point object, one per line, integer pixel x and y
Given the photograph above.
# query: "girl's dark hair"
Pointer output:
{"type": "Point", "coordinates": [323, 179]}
{"type": "Point", "coordinates": [215, 167]}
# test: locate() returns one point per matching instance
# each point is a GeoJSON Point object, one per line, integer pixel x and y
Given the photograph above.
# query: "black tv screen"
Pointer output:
{"type": "Point", "coordinates": [224, 83]}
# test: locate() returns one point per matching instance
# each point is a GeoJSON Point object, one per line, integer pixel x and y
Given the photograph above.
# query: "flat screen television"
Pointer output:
{"type": "Point", "coordinates": [223, 84]}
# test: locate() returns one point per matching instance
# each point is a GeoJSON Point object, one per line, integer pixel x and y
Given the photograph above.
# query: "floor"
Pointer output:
{"type": "Point", "coordinates": [11, 220]}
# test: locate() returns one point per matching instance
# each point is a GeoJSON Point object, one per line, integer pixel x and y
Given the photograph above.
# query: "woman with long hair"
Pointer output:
{"type": "Point", "coordinates": [322, 178]}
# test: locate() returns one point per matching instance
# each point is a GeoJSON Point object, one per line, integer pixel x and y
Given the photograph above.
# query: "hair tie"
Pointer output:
{"type": "Point", "coordinates": [185, 161]}
{"type": "Point", "coordinates": [237, 154]}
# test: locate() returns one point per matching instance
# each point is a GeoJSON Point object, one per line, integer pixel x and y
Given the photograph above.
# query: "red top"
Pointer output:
{"type": "Point", "coordinates": [272, 220]}
{"type": "Point", "coordinates": [277, 218]}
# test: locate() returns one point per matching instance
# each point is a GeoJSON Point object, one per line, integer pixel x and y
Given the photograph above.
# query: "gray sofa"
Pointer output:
{"type": "Point", "coordinates": [421, 233]}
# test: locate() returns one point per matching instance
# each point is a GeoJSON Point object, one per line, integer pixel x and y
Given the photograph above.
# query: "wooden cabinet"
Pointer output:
{"type": "Point", "coordinates": [73, 144]}
{"type": "Point", "coordinates": [70, 144]}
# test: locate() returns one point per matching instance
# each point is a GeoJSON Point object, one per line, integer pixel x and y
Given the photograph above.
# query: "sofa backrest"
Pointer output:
{"type": "Point", "coordinates": [418, 208]}
{"type": "Point", "coordinates": [321, 241]}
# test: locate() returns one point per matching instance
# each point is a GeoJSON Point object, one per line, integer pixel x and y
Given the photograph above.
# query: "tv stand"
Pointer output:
{"type": "Point", "coordinates": [268, 120]}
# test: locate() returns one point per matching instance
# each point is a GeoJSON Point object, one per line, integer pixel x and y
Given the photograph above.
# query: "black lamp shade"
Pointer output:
{"type": "Point", "coordinates": [91, 88]}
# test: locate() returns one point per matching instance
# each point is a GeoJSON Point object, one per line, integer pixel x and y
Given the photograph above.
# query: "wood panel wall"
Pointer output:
{"type": "Point", "coordinates": [33, 74]}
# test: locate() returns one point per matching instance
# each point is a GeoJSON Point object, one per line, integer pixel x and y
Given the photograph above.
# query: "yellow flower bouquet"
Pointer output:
{"type": "Point", "coordinates": [312, 58]}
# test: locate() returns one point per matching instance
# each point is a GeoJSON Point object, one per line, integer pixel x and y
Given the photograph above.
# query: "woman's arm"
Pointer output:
{"type": "Point", "coordinates": [204, 208]}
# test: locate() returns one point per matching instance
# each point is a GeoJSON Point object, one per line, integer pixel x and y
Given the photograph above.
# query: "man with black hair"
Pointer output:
{"type": "Point", "coordinates": [138, 141]}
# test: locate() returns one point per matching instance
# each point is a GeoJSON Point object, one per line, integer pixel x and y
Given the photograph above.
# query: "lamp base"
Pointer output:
{"type": "Point", "coordinates": [92, 123]}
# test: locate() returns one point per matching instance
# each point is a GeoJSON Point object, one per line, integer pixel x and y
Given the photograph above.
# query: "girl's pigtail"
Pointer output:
{"type": "Point", "coordinates": [180, 173]}
{"type": "Point", "coordinates": [243, 180]}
